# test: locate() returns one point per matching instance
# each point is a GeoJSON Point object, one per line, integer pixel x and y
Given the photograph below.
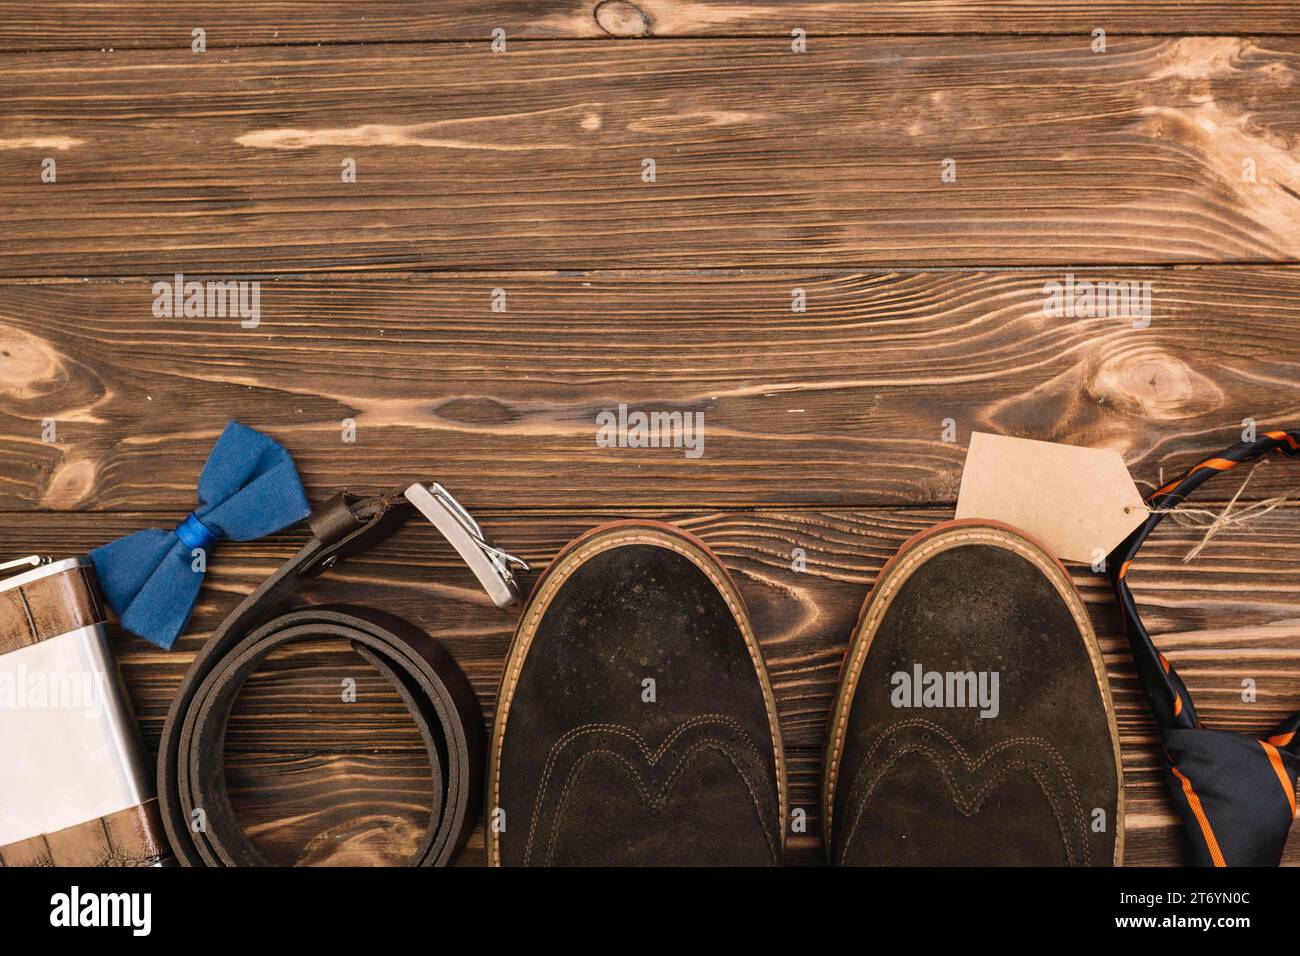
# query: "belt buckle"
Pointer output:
{"type": "Point", "coordinates": [493, 566]}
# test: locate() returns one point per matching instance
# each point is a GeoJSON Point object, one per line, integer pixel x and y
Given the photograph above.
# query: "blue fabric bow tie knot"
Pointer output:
{"type": "Point", "coordinates": [249, 488]}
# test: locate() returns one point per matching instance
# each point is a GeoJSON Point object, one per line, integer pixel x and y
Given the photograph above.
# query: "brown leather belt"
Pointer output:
{"type": "Point", "coordinates": [196, 809]}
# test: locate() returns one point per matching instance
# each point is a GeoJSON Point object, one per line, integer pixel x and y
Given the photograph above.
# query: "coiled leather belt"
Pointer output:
{"type": "Point", "coordinates": [196, 809]}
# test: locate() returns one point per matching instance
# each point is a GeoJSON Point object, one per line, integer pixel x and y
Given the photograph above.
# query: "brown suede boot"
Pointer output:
{"type": "Point", "coordinates": [635, 724]}
{"type": "Point", "coordinates": [973, 723]}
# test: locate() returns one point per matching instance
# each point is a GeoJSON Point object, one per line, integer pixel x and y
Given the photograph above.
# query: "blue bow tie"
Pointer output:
{"type": "Point", "coordinates": [249, 488]}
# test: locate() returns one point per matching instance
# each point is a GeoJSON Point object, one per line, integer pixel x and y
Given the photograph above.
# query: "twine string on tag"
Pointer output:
{"type": "Point", "coordinates": [1215, 521]}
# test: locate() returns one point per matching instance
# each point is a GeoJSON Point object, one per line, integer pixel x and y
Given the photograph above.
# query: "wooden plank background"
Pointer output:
{"type": "Point", "coordinates": [123, 24]}
{"type": "Point", "coordinates": [521, 171]}
{"type": "Point", "coordinates": [841, 405]}
{"type": "Point", "coordinates": [533, 158]}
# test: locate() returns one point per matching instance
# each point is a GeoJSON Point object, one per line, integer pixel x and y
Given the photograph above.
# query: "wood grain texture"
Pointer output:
{"type": "Point", "coordinates": [840, 405]}
{"type": "Point", "coordinates": [1232, 613]}
{"type": "Point", "coordinates": [521, 171]}
{"type": "Point", "coordinates": [126, 24]}
{"type": "Point", "coordinates": [231, 161]}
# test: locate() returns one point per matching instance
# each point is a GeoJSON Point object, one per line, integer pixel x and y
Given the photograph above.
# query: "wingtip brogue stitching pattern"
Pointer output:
{"type": "Point", "coordinates": [1052, 775]}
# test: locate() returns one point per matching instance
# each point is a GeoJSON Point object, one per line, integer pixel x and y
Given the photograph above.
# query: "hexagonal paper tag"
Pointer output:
{"type": "Point", "coordinates": [1078, 502]}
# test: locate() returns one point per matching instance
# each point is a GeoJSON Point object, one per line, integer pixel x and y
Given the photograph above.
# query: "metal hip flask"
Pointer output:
{"type": "Point", "coordinates": [75, 788]}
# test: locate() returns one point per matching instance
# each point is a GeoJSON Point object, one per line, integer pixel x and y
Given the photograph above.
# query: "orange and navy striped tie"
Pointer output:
{"type": "Point", "coordinates": [1236, 794]}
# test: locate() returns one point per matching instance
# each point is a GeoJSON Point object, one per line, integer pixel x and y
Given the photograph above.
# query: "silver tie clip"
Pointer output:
{"type": "Point", "coordinates": [493, 566]}
{"type": "Point", "coordinates": [24, 564]}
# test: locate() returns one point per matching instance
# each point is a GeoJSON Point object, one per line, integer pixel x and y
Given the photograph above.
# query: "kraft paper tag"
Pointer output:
{"type": "Point", "coordinates": [1078, 502]}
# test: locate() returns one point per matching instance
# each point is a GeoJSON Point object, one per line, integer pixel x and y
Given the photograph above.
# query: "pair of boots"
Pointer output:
{"type": "Point", "coordinates": [636, 724]}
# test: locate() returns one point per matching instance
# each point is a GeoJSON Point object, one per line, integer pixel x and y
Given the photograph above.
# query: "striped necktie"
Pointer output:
{"type": "Point", "coordinates": [1235, 793]}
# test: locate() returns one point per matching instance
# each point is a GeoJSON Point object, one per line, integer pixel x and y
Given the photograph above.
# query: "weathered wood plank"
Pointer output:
{"type": "Point", "coordinates": [466, 159]}
{"type": "Point", "coordinates": [359, 810]}
{"type": "Point", "coordinates": [1230, 614]}
{"type": "Point", "coordinates": [840, 405]}
{"type": "Point", "coordinates": [127, 24]}
{"type": "Point", "coordinates": [348, 810]}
